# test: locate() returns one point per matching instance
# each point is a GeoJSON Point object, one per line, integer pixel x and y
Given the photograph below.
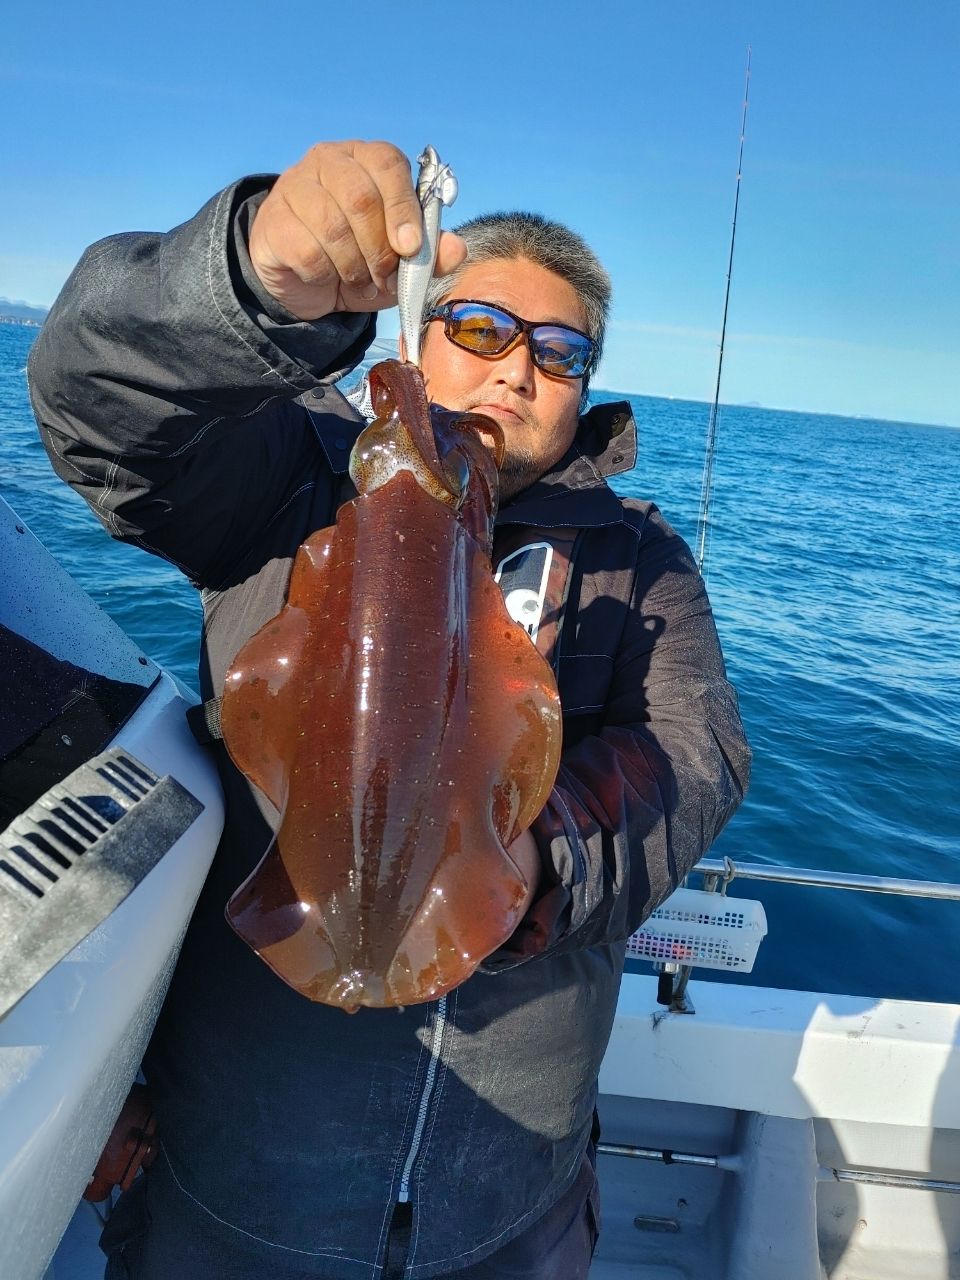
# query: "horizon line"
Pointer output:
{"type": "Point", "coordinates": [773, 408]}
{"type": "Point", "coordinates": [650, 395]}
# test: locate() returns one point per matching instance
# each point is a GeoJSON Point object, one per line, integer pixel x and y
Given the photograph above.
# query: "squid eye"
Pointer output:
{"type": "Point", "coordinates": [457, 471]}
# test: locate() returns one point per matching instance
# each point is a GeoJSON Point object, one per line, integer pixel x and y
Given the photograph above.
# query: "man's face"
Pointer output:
{"type": "Point", "coordinates": [536, 412]}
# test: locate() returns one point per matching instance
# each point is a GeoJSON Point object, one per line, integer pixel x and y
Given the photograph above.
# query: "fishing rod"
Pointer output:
{"type": "Point", "coordinates": [703, 519]}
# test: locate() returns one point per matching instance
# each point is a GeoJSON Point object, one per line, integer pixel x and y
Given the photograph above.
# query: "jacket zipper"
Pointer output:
{"type": "Point", "coordinates": [404, 1195]}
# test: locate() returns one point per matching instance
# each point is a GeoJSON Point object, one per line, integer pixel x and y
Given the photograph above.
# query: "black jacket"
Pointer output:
{"type": "Point", "coordinates": [199, 421]}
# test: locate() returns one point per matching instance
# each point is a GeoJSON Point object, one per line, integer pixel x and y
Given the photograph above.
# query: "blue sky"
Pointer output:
{"type": "Point", "coordinates": [621, 119]}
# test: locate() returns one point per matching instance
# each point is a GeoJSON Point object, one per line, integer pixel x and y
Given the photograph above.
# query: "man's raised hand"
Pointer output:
{"type": "Point", "coordinates": [330, 235]}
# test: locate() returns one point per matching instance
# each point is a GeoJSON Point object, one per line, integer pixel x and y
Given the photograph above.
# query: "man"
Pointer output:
{"type": "Point", "coordinates": [184, 386]}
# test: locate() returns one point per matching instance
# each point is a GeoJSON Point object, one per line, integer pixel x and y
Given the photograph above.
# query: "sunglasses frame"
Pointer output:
{"type": "Point", "coordinates": [525, 329]}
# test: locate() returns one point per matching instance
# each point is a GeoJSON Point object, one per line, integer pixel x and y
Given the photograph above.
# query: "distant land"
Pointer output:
{"type": "Point", "coordinates": [21, 313]}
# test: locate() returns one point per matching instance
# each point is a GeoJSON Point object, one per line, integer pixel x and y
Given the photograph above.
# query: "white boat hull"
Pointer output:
{"type": "Point", "coordinates": [71, 1048]}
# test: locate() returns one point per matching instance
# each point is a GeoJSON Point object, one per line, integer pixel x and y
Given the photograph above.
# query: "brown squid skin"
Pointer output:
{"type": "Point", "coordinates": [402, 724]}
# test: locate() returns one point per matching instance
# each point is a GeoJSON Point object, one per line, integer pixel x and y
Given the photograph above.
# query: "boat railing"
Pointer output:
{"type": "Point", "coordinates": [720, 872]}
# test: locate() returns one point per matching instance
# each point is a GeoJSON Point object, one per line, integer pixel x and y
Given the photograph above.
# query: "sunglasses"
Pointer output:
{"type": "Point", "coordinates": [486, 330]}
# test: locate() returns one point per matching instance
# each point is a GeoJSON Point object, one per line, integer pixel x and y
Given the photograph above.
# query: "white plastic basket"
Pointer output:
{"type": "Point", "coordinates": [703, 930]}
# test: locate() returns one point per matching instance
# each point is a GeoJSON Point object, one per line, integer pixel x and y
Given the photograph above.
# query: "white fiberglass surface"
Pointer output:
{"type": "Point", "coordinates": [70, 1049]}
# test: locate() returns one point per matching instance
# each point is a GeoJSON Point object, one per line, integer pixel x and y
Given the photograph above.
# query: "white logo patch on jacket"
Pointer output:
{"type": "Point", "coordinates": [523, 577]}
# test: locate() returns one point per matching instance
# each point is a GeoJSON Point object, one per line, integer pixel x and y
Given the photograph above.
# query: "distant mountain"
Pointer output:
{"type": "Point", "coordinates": [22, 310]}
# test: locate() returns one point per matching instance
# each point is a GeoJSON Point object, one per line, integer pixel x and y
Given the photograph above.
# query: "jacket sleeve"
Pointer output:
{"type": "Point", "coordinates": [164, 383]}
{"type": "Point", "coordinates": [637, 803]}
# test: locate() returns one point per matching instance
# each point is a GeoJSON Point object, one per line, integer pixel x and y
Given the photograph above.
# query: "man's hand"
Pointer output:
{"type": "Point", "coordinates": [330, 235]}
{"type": "Point", "coordinates": [525, 854]}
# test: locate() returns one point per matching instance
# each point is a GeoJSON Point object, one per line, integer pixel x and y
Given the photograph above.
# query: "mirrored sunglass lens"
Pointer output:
{"type": "Point", "coordinates": [561, 352]}
{"type": "Point", "coordinates": [481, 329]}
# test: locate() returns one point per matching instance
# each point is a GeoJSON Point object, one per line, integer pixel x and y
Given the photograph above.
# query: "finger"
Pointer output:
{"type": "Point", "coordinates": [451, 253]}
{"type": "Point", "coordinates": [390, 170]}
{"type": "Point", "coordinates": [351, 300]}
{"type": "Point", "coordinates": [293, 245]}
{"type": "Point", "coordinates": [313, 287]}
{"type": "Point", "coordinates": [320, 213]}
{"type": "Point", "coordinates": [360, 202]}
{"type": "Point", "coordinates": [290, 262]}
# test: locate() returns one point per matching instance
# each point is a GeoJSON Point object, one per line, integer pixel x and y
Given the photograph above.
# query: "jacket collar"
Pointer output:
{"type": "Point", "coordinates": [575, 493]}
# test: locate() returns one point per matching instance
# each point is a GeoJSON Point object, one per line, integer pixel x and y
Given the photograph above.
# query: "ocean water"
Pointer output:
{"type": "Point", "coordinates": [834, 572]}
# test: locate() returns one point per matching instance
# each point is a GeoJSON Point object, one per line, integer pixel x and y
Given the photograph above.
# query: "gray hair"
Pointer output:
{"type": "Point", "coordinates": [547, 244]}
